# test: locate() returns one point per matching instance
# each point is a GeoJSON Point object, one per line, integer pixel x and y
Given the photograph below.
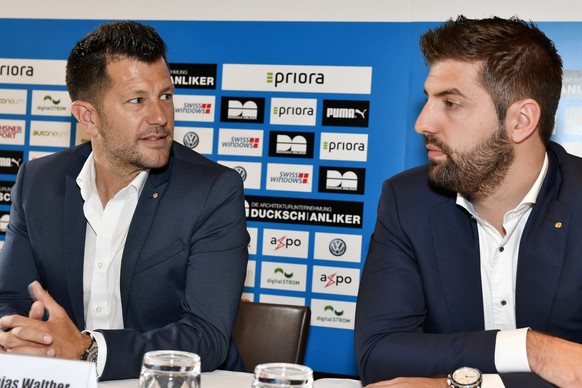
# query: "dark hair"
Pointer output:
{"type": "Point", "coordinates": [86, 74]}
{"type": "Point", "coordinates": [518, 61]}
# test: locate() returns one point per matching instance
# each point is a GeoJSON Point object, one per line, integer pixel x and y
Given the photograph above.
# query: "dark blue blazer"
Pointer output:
{"type": "Point", "coordinates": [420, 307]}
{"type": "Point", "coordinates": [183, 265]}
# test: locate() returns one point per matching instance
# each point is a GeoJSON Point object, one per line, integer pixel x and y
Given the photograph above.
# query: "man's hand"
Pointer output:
{"type": "Point", "coordinates": [554, 359]}
{"type": "Point", "coordinates": [411, 382]}
{"type": "Point", "coordinates": [57, 337]}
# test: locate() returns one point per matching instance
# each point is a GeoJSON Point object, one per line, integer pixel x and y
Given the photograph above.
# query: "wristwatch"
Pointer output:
{"type": "Point", "coordinates": [465, 377]}
{"type": "Point", "coordinates": [90, 354]}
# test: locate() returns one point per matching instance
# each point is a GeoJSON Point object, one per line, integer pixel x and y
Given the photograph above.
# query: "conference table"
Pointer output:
{"type": "Point", "coordinates": [228, 379]}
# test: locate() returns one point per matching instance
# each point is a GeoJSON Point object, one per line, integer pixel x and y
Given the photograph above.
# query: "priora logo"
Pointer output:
{"type": "Point", "coordinates": [332, 146]}
{"type": "Point", "coordinates": [292, 111]}
{"type": "Point", "coordinates": [295, 78]}
{"type": "Point", "coordinates": [16, 70]}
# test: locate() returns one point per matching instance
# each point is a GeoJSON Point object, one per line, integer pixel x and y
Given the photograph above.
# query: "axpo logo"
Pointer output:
{"type": "Point", "coordinates": [242, 110]}
{"type": "Point", "coordinates": [291, 144]}
{"type": "Point", "coordinates": [286, 243]}
{"type": "Point", "coordinates": [335, 280]}
{"type": "Point", "coordinates": [341, 180]}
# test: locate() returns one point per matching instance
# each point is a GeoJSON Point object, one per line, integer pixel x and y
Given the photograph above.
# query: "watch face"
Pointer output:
{"type": "Point", "coordinates": [466, 375]}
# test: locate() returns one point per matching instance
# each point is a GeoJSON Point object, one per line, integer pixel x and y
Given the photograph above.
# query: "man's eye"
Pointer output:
{"type": "Point", "coordinates": [166, 96]}
{"type": "Point", "coordinates": [451, 104]}
{"type": "Point", "coordinates": [137, 100]}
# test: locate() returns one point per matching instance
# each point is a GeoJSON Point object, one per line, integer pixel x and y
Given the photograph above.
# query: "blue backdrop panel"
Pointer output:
{"type": "Point", "coordinates": [395, 97]}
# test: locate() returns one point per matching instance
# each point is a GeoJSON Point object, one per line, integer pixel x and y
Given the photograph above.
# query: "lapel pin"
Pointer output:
{"type": "Point", "coordinates": [155, 195]}
{"type": "Point", "coordinates": [558, 225]}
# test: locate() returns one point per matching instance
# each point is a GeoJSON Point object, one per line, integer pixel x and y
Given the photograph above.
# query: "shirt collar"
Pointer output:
{"type": "Point", "coordinates": [530, 197]}
{"type": "Point", "coordinates": [86, 179]}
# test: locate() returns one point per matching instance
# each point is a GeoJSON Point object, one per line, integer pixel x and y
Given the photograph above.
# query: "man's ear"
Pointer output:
{"type": "Point", "coordinates": [86, 115]}
{"type": "Point", "coordinates": [525, 117]}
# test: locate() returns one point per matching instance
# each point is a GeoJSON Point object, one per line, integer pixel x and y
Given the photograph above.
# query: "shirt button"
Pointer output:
{"type": "Point", "coordinates": [501, 249]}
{"type": "Point", "coordinates": [503, 302]}
{"type": "Point", "coordinates": [100, 265]}
{"type": "Point", "coordinates": [98, 310]}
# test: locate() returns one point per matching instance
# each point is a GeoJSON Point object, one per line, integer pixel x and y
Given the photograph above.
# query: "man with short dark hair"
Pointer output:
{"type": "Point", "coordinates": [477, 254]}
{"type": "Point", "coordinates": [138, 242]}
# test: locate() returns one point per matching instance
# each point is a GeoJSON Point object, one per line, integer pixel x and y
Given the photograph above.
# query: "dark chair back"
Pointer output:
{"type": "Point", "coordinates": [267, 332]}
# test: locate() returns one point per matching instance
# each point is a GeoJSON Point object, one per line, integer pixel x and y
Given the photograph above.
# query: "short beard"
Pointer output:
{"type": "Point", "coordinates": [475, 173]}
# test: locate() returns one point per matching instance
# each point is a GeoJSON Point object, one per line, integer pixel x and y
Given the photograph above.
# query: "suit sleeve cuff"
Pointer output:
{"type": "Point", "coordinates": [102, 352]}
{"type": "Point", "coordinates": [510, 351]}
{"type": "Point", "coordinates": [492, 381]}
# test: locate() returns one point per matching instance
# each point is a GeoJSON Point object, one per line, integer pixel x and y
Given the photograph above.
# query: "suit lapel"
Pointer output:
{"type": "Point", "coordinates": [74, 248]}
{"type": "Point", "coordinates": [456, 247]}
{"type": "Point", "coordinates": [141, 223]}
{"type": "Point", "coordinates": [542, 253]}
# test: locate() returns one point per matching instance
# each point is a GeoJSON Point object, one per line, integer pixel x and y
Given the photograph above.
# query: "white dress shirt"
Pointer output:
{"type": "Point", "coordinates": [499, 257]}
{"type": "Point", "coordinates": [104, 243]}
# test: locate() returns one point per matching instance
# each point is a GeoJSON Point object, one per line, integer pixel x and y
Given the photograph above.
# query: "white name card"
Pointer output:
{"type": "Point", "coordinates": [20, 371]}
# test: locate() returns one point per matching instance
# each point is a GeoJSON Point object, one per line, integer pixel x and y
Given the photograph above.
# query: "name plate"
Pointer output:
{"type": "Point", "coordinates": [21, 371]}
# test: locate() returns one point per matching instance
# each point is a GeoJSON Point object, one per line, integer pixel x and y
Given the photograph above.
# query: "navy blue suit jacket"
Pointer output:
{"type": "Point", "coordinates": [420, 307]}
{"type": "Point", "coordinates": [183, 264]}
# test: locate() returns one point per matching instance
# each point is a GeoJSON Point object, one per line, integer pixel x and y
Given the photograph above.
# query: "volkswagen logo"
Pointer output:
{"type": "Point", "coordinates": [242, 172]}
{"type": "Point", "coordinates": [191, 140]}
{"type": "Point", "coordinates": [337, 247]}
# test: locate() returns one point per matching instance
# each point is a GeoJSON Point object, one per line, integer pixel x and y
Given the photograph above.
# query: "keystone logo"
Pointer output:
{"type": "Point", "coordinates": [330, 308]}
{"type": "Point", "coordinates": [280, 270]}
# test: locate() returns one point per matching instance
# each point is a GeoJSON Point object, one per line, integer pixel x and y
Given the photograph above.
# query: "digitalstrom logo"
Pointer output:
{"type": "Point", "coordinates": [333, 313]}
{"type": "Point", "coordinates": [51, 103]}
{"type": "Point", "coordinates": [283, 276]}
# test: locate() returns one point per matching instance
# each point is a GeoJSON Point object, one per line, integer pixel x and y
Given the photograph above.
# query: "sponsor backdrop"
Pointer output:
{"type": "Point", "coordinates": [314, 116]}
